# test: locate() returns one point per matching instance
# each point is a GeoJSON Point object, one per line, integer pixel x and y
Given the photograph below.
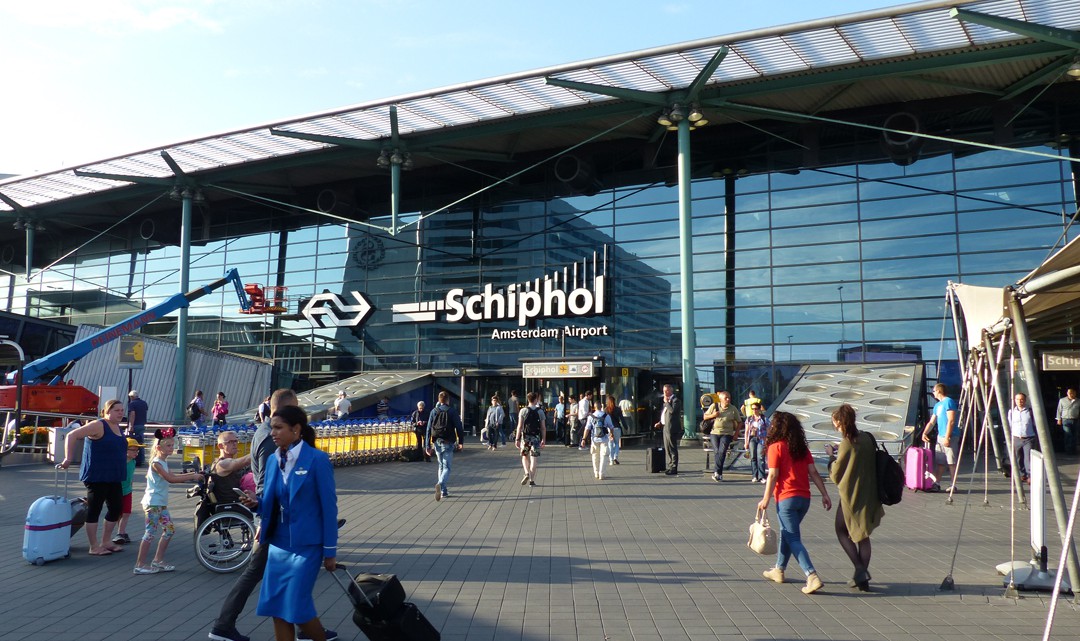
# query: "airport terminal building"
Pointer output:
{"type": "Point", "coordinates": [816, 186]}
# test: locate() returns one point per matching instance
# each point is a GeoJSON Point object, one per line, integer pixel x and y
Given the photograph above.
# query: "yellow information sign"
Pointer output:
{"type": "Point", "coordinates": [131, 353]}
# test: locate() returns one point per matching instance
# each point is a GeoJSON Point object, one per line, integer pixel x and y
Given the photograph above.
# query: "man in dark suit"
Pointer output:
{"type": "Point", "coordinates": [670, 421]}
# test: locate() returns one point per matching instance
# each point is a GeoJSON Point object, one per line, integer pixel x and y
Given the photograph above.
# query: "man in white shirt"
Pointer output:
{"type": "Point", "coordinates": [342, 406]}
{"type": "Point", "coordinates": [584, 409]}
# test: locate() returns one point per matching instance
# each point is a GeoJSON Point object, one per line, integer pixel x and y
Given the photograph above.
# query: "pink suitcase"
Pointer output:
{"type": "Point", "coordinates": [919, 469]}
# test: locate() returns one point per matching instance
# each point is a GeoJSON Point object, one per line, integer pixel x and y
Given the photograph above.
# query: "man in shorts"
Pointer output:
{"type": "Point", "coordinates": [943, 428]}
{"type": "Point", "coordinates": [530, 437]}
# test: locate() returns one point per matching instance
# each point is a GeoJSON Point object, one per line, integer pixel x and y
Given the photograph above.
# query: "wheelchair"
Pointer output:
{"type": "Point", "coordinates": [224, 530]}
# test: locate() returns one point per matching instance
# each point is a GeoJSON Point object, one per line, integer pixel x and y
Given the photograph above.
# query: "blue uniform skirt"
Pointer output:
{"type": "Point", "coordinates": [288, 582]}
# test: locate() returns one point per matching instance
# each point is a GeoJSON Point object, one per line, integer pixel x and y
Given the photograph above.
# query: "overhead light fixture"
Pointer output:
{"type": "Point", "coordinates": [383, 160]}
{"type": "Point", "coordinates": [677, 112]}
{"type": "Point", "coordinates": [19, 224]}
{"type": "Point", "coordinates": [701, 122]}
{"type": "Point", "coordinates": [664, 120]}
{"type": "Point", "coordinates": [396, 158]}
{"type": "Point", "coordinates": [200, 198]}
{"type": "Point", "coordinates": [174, 193]}
{"type": "Point", "coordinates": [407, 165]}
{"type": "Point", "coordinates": [1074, 69]}
{"type": "Point", "coordinates": [695, 115]}
{"type": "Point", "coordinates": [38, 226]}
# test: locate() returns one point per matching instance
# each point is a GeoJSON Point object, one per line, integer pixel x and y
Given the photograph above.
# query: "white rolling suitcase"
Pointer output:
{"type": "Point", "coordinates": [47, 535]}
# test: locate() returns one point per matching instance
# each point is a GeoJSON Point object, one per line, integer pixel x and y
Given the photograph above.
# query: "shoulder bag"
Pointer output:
{"type": "Point", "coordinates": [762, 537]}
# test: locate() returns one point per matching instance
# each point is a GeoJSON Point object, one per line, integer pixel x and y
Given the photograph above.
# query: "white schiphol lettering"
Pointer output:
{"type": "Point", "coordinates": [455, 310]}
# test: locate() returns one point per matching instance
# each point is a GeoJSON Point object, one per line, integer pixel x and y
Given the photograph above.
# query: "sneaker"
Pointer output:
{"type": "Point", "coordinates": [616, 461]}
{"type": "Point", "coordinates": [223, 634]}
{"type": "Point", "coordinates": [139, 569]}
{"type": "Point", "coordinates": [445, 495]}
{"type": "Point", "coordinates": [774, 574]}
{"type": "Point", "coordinates": [716, 477]}
{"type": "Point", "coordinates": [330, 635]}
{"type": "Point", "coordinates": [438, 492]}
{"type": "Point", "coordinates": [162, 566]}
{"type": "Point", "coordinates": [532, 484]}
{"type": "Point", "coordinates": [600, 477]}
{"type": "Point", "coordinates": [813, 584]}
{"type": "Point", "coordinates": [525, 480]}
{"type": "Point", "coordinates": [127, 539]}
{"type": "Point", "coordinates": [119, 539]}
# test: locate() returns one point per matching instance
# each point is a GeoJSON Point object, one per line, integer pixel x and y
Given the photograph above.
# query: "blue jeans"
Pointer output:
{"type": "Point", "coordinates": [445, 453]}
{"type": "Point", "coordinates": [720, 445]}
{"type": "Point", "coordinates": [138, 432]}
{"type": "Point", "coordinates": [616, 436]}
{"type": "Point", "coordinates": [789, 514]}
{"type": "Point", "coordinates": [1068, 425]}
{"type": "Point", "coordinates": [758, 463]}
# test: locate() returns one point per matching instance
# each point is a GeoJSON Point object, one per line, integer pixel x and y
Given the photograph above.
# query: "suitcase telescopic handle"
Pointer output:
{"type": "Point", "coordinates": [56, 480]}
{"type": "Point", "coordinates": [352, 581]}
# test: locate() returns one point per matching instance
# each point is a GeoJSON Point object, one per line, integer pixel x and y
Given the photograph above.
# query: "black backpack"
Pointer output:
{"type": "Point", "coordinates": [890, 476]}
{"type": "Point", "coordinates": [531, 424]}
{"type": "Point", "coordinates": [440, 425]}
{"type": "Point", "coordinates": [193, 411]}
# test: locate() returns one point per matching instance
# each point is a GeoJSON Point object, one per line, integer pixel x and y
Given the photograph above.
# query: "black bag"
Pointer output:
{"type": "Point", "coordinates": [890, 476]}
{"type": "Point", "coordinates": [409, 624]}
{"type": "Point", "coordinates": [654, 460]}
{"type": "Point", "coordinates": [531, 424]}
{"type": "Point", "coordinates": [375, 597]}
{"type": "Point", "coordinates": [440, 425]}
{"type": "Point", "coordinates": [193, 411]}
{"type": "Point", "coordinates": [706, 426]}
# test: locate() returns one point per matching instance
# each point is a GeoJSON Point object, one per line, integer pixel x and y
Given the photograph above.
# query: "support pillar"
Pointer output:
{"type": "Point", "coordinates": [182, 324]}
{"type": "Point", "coordinates": [1057, 497]}
{"type": "Point", "coordinates": [686, 283]}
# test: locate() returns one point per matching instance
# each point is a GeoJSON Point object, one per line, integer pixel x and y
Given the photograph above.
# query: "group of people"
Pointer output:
{"type": "Point", "coordinates": [791, 468]}
{"type": "Point", "coordinates": [219, 411]}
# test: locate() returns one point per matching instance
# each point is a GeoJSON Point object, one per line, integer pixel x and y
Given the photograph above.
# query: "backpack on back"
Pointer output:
{"type": "Point", "coordinates": [440, 425]}
{"type": "Point", "coordinates": [531, 424]}
{"type": "Point", "coordinates": [193, 411]}
{"type": "Point", "coordinates": [890, 476]}
{"type": "Point", "coordinates": [600, 428]}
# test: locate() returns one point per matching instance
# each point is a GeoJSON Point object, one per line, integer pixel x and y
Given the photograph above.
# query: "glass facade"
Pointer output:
{"type": "Point", "coordinates": [836, 263]}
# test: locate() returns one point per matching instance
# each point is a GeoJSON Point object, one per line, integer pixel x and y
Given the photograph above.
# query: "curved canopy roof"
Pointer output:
{"type": "Point", "coordinates": [924, 51]}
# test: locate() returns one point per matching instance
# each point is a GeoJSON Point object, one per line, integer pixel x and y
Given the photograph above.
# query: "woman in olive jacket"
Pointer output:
{"type": "Point", "coordinates": [855, 474]}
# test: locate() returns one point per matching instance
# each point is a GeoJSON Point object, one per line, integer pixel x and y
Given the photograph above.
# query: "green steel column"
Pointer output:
{"type": "Point", "coordinates": [29, 247]}
{"type": "Point", "coordinates": [686, 282]}
{"type": "Point", "coordinates": [182, 326]}
{"type": "Point", "coordinates": [395, 195]}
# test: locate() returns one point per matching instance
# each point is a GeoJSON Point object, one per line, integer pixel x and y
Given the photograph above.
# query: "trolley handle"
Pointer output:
{"type": "Point", "coordinates": [352, 589]}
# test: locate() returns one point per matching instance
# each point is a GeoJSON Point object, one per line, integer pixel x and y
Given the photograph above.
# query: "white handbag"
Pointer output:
{"type": "Point", "coordinates": [762, 537]}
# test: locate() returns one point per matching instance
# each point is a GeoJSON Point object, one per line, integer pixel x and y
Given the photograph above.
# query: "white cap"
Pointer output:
{"type": "Point", "coordinates": [133, 393]}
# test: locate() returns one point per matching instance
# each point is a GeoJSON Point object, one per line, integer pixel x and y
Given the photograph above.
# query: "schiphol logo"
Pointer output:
{"type": "Point", "coordinates": [562, 294]}
{"type": "Point", "coordinates": [324, 309]}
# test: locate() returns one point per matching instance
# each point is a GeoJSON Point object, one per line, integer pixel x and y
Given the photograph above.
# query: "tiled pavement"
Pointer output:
{"type": "Point", "coordinates": [634, 557]}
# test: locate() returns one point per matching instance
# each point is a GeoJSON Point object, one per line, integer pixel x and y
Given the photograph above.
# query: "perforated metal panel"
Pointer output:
{"type": "Point", "coordinates": [885, 398]}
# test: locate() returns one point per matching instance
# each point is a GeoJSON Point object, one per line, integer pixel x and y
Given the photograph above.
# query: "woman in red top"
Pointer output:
{"type": "Point", "coordinates": [791, 467]}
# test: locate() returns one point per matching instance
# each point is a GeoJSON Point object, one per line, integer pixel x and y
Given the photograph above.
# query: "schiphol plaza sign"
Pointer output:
{"type": "Point", "coordinates": [558, 295]}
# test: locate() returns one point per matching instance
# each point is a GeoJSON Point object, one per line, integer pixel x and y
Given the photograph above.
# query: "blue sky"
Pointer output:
{"type": "Point", "coordinates": [87, 80]}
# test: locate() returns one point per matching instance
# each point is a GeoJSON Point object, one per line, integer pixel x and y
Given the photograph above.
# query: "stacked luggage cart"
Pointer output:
{"type": "Point", "coordinates": [347, 441]}
{"type": "Point", "coordinates": [364, 440]}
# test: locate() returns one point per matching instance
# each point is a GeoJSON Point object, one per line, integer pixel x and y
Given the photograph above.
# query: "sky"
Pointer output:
{"type": "Point", "coordinates": [89, 80]}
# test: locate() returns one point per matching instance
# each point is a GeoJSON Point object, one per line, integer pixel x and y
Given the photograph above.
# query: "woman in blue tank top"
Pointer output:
{"type": "Point", "coordinates": [103, 471]}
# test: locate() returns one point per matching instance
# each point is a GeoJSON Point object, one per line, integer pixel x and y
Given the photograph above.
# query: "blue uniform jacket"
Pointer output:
{"type": "Point", "coordinates": [311, 518]}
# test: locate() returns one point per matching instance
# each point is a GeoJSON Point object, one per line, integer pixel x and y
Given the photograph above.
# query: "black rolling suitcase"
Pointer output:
{"type": "Point", "coordinates": [380, 610]}
{"type": "Point", "coordinates": [654, 460]}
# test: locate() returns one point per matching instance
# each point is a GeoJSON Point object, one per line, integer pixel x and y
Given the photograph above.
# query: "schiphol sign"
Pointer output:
{"type": "Point", "coordinates": [563, 294]}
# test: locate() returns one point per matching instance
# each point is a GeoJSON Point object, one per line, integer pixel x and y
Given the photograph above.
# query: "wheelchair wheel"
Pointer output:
{"type": "Point", "coordinates": [224, 542]}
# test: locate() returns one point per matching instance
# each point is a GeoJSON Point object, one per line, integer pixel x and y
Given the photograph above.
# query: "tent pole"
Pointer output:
{"type": "Point", "coordinates": [995, 367]}
{"type": "Point", "coordinates": [1046, 444]}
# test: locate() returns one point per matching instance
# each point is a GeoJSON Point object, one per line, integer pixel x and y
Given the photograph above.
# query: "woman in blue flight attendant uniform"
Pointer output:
{"type": "Point", "coordinates": [299, 515]}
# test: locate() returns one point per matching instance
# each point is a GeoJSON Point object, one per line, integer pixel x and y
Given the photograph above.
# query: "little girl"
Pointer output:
{"type": "Point", "coordinates": [156, 502]}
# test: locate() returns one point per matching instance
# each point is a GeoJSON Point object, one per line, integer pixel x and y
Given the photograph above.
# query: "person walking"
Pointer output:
{"type": "Point", "coordinates": [493, 423]}
{"type": "Point", "coordinates": [615, 412]}
{"type": "Point", "coordinates": [726, 423]}
{"type": "Point", "coordinates": [1068, 413]}
{"type": "Point", "coordinates": [944, 426]}
{"type": "Point", "coordinates": [530, 437]}
{"type": "Point", "coordinates": [1022, 428]}
{"type": "Point", "coordinates": [197, 410]}
{"type": "Point", "coordinates": [598, 435]}
{"type": "Point", "coordinates": [262, 447]}
{"type": "Point", "coordinates": [342, 406]}
{"type": "Point", "coordinates": [670, 421]}
{"type": "Point", "coordinates": [445, 436]}
{"type": "Point", "coordinates": [513, 406]}
{"type": "Point", "coordinates": [560, 419]}
{"type": "Point", "coordinates": [757, 429]}
{"type": "Point", "coordinates": [419, 421]}
{"type": "Point", "coordinates": [573, 424]}
{"type": "Point", "coordinates": [860, 511]}
{"type": "Point", "coordinates": [791, 468]}
{"type": "Point", "coordinates": [299, 510]}
{"type": "Point", "coordinates": [584, 408]}
{"type": "Point", "coordinates": [103, 471]}
{"type": "Point", "coordinates": [136, 411]}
